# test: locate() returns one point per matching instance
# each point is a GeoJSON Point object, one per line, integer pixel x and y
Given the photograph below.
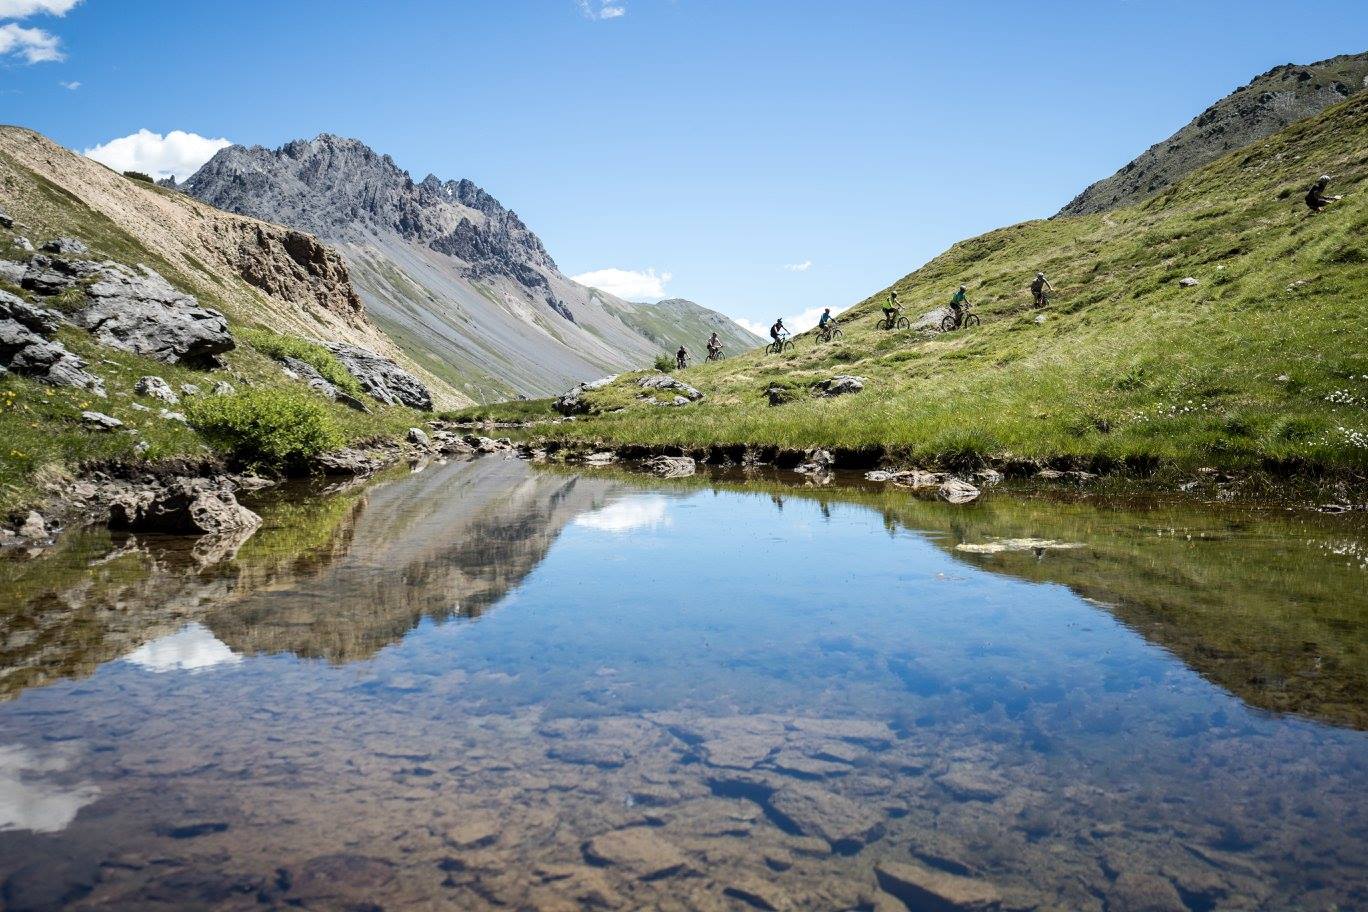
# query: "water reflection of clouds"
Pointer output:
{"type": "Point", "coordinates": [628, 514]}
{"type": "Point", "coordinates": [192, 648]}
{"type": "Point", "coordinates": [43, 807]}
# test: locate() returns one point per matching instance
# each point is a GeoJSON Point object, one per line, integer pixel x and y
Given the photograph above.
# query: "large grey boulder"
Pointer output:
{"type": "Point", "coordinates": [67, 246]}
{"type": "Point", "coordinates": [12, 271]}
{"type": "Point", "coordinates": [381, 378]}
{"type": "Point", "coordinates": [156, 388]}
{"type": "Point", "coordinates": [100, 421]}
{"type": "Point", "coordinates": [665, 382]}
{"type": "Point", "coordinates": [26, 350]}
{"type": "Point", "coordinates": [5, 220]}
{"type": "Point", "coordinates": [47, 275]}
{"type": "Point", "coordinates": [572, 402]}
{"type": "Point", "coordinates": [141, 312]}
{"type": "Point", "coordinates": [841, 385]}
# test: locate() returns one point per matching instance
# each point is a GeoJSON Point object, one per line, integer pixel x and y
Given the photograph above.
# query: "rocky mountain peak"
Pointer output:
{"type": "Point", "coordinates": [1268, 103]}
{"type": "Point", "coordinates": [339, 188]}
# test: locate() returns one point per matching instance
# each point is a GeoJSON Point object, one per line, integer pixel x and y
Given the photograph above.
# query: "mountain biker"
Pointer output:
{"type": "Point", "coordinates": [825, 318]}
{"type": "Point", "coordinates": [1038, 289]}
{"type": "Point", "coordinates": [892, 308]}
{"type": "Point", "coordinates": [714, 344]}
{"type": "Point", "coordinates": [958, 302]}
{"type": "Point", "coordinates": [682, 357]}
{"type": "Point", "coordinates": [1316, 200]}
{"type": "Point", "coordinates": [778, 328]}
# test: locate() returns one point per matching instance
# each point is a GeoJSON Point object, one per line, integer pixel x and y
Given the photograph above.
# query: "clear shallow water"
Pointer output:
{"type": "Point", "coordinates": [486, 686]}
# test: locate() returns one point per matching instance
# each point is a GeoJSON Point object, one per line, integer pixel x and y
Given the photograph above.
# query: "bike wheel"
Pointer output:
{"type": "Point", "coordinates": [903, 323]}
{"type": "Point", "coordinates": [788, 346]}
{"type": "Point", "coordinates": [837, 334]}
{"type": "Point", "coordinates": [881, 324]}
{"type": "Point", "coordinates": [948, 324]}
{"type": "Point", "coordinates": [971, 320]}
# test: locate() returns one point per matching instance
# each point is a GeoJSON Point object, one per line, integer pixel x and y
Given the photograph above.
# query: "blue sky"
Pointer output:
{"type": "Point", "coordinates": [769, 157]}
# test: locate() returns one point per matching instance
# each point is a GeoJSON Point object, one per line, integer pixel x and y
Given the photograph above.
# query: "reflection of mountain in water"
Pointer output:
{"type": "Point", "coordinates": [448, 542]}
{"type": "Point", "coordinates": [1265, 604]}
{"type": "Point", "coordinates": [334, 577]}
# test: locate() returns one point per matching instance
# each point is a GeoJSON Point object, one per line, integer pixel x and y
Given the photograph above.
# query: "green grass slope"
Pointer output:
{"type": "Point", "coordinates": [1265, 361]}
{"type": "Point", "coordinates": [42, 436]}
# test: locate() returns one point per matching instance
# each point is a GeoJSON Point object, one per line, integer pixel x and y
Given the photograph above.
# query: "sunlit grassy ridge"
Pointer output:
{"type": "Point", "coordinates": [1265, 361]}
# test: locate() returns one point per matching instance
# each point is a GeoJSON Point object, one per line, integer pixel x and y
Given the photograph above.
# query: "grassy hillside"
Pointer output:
{"type": "Point", "coordinates": [1263, 361]}
{"type": "Point", "coordinates": [42, 435]}
{"type": "Point", "coordinates": [675, 322]}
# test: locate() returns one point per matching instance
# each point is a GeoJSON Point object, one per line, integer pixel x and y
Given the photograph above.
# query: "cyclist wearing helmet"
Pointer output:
{"type": "Point", "coordinates": [714, 343]}
{"type": "Point", "coordinates": [778, 328]}
{"type": "Point", "coordinates": [958, 301]}
{"type": "Point", "coordinates": [892, 308]}
{"type": "Point", "coordinates": [1316, 200]}
{"type": "Point", "coordinates": [1038, 289]}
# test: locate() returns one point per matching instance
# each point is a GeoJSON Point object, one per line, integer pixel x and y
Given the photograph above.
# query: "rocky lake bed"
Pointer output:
{"type": "Point", "coordinates": [481, 681]}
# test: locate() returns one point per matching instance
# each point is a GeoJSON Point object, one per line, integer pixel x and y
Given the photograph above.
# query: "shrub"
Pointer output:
{"type": "Point", "coordinates": [278, 346]}
{"type": "Point", "coordinates": [270, 427]}
{"type": "Point", "coordinates": [664, 363]}
{"type": "Point", "coordinates": [139, 176]}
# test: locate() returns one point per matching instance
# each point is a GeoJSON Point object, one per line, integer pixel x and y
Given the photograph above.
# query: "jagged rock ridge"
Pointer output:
{"type": "Point", "coordinates": [1270, 102]}
{"type": "Point", "coordinates": [468, 289]}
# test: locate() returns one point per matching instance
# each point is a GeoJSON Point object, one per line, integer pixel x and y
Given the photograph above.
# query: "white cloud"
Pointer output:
{"type": "Point", "coordinates": [42, 807]}
{"type": "Point", "coordinates": [648, 512]}
{"type": "Point", "coordinates": [177, 153]}
{"type": "Point", "coordinates": [796, 323]}
{"type": "Point", "coordinates": [633, 285]}
{"type": "Point", "coordinates": [21, 9]}
{"type": "Point", "coordinates": [192, 648]}
{"type": "Point", "coordinates": [597, 9]}
{"type": "Point", "coordinates": [70, 86]}
{"type": "Point", "coordinates": [32, 44]}
{"type": "Point", "coordinates": [799, 267]}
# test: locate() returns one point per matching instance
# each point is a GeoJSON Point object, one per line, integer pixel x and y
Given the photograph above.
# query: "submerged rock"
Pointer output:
{"type": "Point", "coordinates": [815, 811]}
{"type": "Point", "coordinates": [955, 491]}
{"type": "Point", "coordinates": [1143, 893]}
{"type": "Point", "coordinates": [638, 849]}
{"type": "Point", "coordinates": [924, 888]}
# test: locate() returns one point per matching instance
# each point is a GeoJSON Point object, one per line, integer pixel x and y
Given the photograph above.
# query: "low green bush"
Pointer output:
{"type": "Point", "coordinates": [278, 346]}
{"type": "Point", "coordinates": [275, 427]}
{"type": "Point", "coordinates": [664, 363]}
{"type": "Point", "coordinates": [139, 176]}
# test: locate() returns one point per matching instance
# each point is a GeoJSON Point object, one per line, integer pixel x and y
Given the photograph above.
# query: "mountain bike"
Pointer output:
{"type": "Point", "coordinates": [715, 354]}
{"type": "Point", "coordinates": [780, 345]}
{"type": "Point", "coordinates": [829, 333]}
{"type": "Point", "coordinates": [681, 363]}
{"type": "Point", "coordinates": [897, 321]}
{"type": "Point", "coordinates": [966, 320]}
{"type": "Point", "coordinates": [1043, 299]}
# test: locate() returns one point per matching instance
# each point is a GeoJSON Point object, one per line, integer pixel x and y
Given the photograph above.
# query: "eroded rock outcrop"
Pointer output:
{"type": "Point", "coordinates": [381, 378]}
{"type": "Point", "coordinates": [141, 312]}
{"type": "Point", "coordinates": [26, 347]}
